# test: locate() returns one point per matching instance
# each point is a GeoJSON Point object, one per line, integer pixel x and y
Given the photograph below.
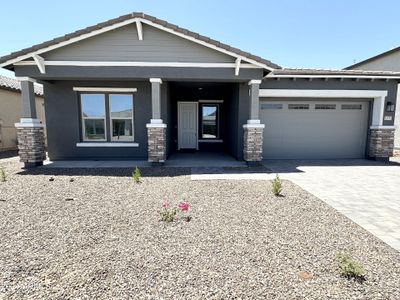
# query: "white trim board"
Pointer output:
{"type": "Point", "coordinates": [322, 93]}
{"type": "Point", "coordinates": [383, 77]}
{"type": "Point", "coordinates": [80, 63]}
{"type": "Point", "coordinates": [127, 22]}
{"type": "Point", "coordinates": [377, 95]}
{"type": "Point", "coordinates": [104, 89]}
{"type": "Point", "coordinates": [106, 144]}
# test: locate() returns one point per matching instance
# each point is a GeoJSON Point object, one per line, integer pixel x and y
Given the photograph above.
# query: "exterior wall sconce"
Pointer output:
{"type": "Point", "coordinates": [389, 107]}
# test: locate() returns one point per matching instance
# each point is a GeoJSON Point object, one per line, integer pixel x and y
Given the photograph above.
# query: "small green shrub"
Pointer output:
{"type": "Point", "coordinates": [349, 268]}
{"type": "Point", "coordinates": [277, 185]}
{"type": "Point", "coordinates": [136, 175]}
{"type": "Point", "coordinates": [3, 175]}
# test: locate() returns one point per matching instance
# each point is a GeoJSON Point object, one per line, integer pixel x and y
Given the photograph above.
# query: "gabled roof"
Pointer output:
{"type": "Point", "coordinates": [14, 85]}
{"type": "Point", "coordinates": [324, 73]}
{"type": "Point", "coordinates": [8, 60]}
{"type": "Point", "coordinates": [372, 58]}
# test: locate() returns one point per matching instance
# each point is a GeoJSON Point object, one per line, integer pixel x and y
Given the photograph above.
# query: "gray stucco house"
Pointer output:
{"type": "Point", "coordinates": [386, 61]}
{"type": "Point", "coordinates": [137, 87]}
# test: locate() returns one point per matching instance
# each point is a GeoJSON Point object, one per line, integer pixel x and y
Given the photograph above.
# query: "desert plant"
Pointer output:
{"type": "Point", "coordinates": [277, 185]}
{"type": "Point", "coordinates": [349, 268]}
{"type": "Point", "coordinates": [136, 175]}
{"type": "Point", "coordinates": [3, 175]}
{"type": "Point", "coordinates": [167, 214]}
{"type": "Point", "coordinates": [184, 207]}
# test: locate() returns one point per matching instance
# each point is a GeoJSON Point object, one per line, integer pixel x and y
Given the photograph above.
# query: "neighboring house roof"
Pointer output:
{"type": "Point", "coordinates": [292, 72]}
{"type": "Point", "coordinates": [6, 60]}
{"type": "Point", "coordinates": [14, 85]}
{"type": "Point", "coordinates": [372, 58]}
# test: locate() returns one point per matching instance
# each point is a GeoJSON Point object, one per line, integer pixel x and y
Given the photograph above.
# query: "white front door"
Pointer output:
{"type": "Point", "coordinates": [187, 125]}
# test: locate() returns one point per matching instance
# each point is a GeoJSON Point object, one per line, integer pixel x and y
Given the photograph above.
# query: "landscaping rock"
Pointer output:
{"type": "Point", "coordinates": [240, 243]}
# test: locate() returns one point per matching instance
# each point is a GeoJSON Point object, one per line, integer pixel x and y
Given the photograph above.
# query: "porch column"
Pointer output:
{"type": "Point", "coordinates": [30, 131]}
{"type": "Point", "coordinates": [381, 138]}
{"type": "Point", "coordinates": [156, 129]}
{"type": "Point", "coordinates": [253, 130]}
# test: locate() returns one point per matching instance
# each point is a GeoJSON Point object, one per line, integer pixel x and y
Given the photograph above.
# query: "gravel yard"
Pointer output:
{"type": "Point", "coordinates": [107, 242]}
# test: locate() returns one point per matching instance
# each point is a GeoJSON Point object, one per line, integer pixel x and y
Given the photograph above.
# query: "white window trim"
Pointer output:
{"type": "Point", "coordinates": [112, 118]}
{"type": "Point", "coordinates": [106, 144]}
{"type": "Point", "coordinates": [104, 89]}
{"type": "Point", "coordinates": [94, 118]}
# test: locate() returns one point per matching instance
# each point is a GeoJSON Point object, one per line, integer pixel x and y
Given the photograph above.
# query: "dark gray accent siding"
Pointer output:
{"type": "Point", "coordinates": [123, 45]}
{"type": "Point", "coordinates": [63, 121]}
{"type": "Point", "coordinates": [133, 73]}
{"type": "Point", "coordinates": [335, 84]}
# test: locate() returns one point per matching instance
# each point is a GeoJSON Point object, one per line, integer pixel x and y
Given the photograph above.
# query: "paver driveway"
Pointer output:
{"type": "Point", "coordinates": [367, 192]}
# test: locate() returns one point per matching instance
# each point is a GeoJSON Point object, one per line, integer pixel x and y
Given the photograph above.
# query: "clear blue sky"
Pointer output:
{"type": "Point", "coordinates": [291, 33]}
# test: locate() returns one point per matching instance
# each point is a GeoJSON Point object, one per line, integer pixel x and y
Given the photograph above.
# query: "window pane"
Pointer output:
{"type": "Point", "coordinates": [209, 126]}
{"type": "Point", "coordinates": [271, 106]}
{"type": "Point", "coordinates": [351, 106]}
{"type": "Point", "coordinates": [94, 129]}
{"type": "Point", "coordinates": [93, 105]}
{"type": "Point", "coordinates": [299, 106]}
{"type": "Point", "coordinates": [122, 130]}
{"type": "Point", "coordinates": [121, 106]}
{"type": "Point", "coordinates": [325, 106]}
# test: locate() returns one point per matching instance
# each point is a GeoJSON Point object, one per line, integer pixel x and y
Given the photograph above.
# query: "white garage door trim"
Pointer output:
{"type": "Point", "coordinates": [377, 95]}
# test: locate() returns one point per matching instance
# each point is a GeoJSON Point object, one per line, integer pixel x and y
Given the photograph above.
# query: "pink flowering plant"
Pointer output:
{"type": "Point", "coordinates": [169, 214]}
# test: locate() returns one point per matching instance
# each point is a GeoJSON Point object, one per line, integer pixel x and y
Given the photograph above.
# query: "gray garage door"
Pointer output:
{"type": "Point", "coordinates": [314, 129]}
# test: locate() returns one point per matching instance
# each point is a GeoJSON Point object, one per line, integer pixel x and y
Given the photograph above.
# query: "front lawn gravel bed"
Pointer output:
{"type": "Point", "coordinates": [107, 241]}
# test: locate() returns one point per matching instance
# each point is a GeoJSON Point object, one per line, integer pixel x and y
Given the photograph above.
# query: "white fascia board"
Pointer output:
{"type": "Point", "coordinates": [127, 22]}
{"type": "Point", "coordinates": [106, 144]}
{"type": "Point", "coordinates": [291, 93]}
{"type": "Point", "coordinates": [137, 64]}
{"type": "Point", "coordinates": [104, 89]}
{"type": "Point", "coordinates": [333, 76]}
{"type": "Point", "coordinates": [26, 79]}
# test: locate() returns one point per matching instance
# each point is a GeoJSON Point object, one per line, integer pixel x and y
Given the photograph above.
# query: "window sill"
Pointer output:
{"type": "Point", "coordinates": [106, 144]}
{"type": "Point", "coordinates": [211, 141]}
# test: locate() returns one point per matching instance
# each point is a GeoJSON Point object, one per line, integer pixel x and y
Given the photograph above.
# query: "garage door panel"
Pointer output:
{"type": "Point", "coordinates": [314, 133]}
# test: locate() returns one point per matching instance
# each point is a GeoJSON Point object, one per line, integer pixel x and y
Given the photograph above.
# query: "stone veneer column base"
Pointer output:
{"type": "Point", "coordinates": [31, 144]}
{"type": "Point", "coordinates": [157, 143]}
{"type": "Point", "coordinates": [253, 143]}
{"type": "Point", "coordinates": [381, 142]}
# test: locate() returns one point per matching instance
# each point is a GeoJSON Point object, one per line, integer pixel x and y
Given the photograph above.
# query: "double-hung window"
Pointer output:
{"type": "Point", "coordinates": [107, 117]}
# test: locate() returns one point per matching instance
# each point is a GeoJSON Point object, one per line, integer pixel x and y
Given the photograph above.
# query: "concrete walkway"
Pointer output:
{"type": "Point", "coordinates": [367, 192]}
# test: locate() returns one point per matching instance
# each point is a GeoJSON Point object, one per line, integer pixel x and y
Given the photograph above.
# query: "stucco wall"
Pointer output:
{"type": "Point", "coordinates": [63, 121]}
{"type": "Point", "coordinates": [10, 113]}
